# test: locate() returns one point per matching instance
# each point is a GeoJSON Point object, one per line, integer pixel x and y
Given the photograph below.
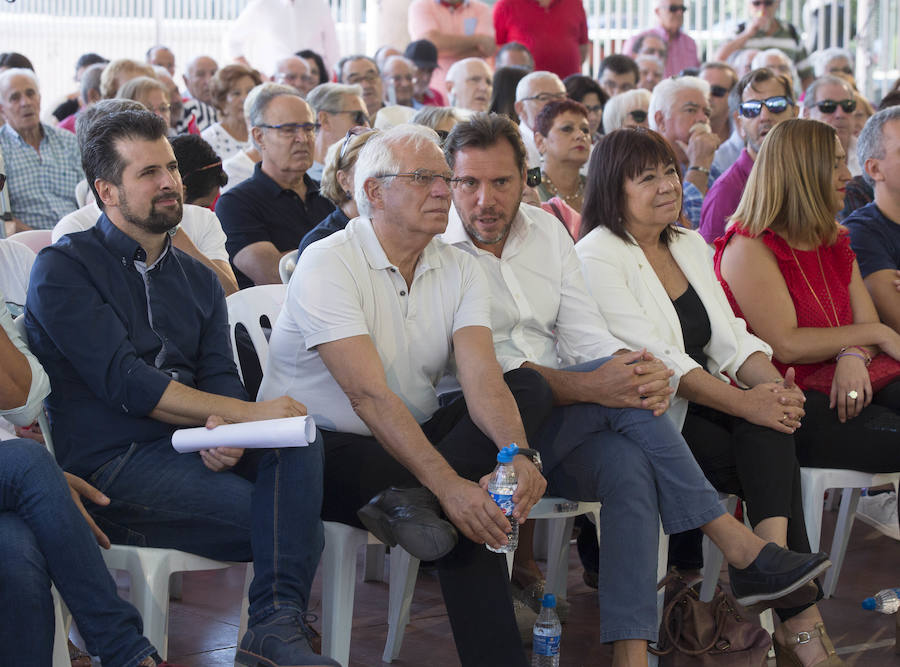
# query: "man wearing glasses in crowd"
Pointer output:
{"type": "Point", "coordinates": [830, 100]}
{"type": "Point", "coordinates": [338, 107]}
{"type": "Point", "coordinates": [533, 93]}
{"type": "Point", "coordinates": [762, 99]}
{"type": "Point", "coordinates": [267, 215]}
{"type": "Point", "coordinates": [682, 49]}
{"type": "Point", "coordinates": [362, 71]}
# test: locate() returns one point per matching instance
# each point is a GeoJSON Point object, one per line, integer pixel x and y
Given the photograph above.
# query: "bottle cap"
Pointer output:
{"type": "Point", "coordinates": [549, 600]}
{"type": "Point", "coordinates": [507, 454]}
{"type": "Point", "coordinates": [869, 603]}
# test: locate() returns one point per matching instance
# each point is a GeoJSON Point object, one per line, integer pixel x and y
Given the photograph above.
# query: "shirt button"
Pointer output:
{"type": "Point", "coordinates": [393, 270]}
{"type": "Point", "coordinates": [403, 292]}
{"type": "Point", "coordinates": [124, 262]}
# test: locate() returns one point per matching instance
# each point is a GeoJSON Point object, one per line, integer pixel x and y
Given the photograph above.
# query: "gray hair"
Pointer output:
{"type": "Point", "coordinates": [870, 143]}
{"type": "Point", "coordinates": [90, 80]}
{"type": "Point", "coordinates": [259, 99]}
{"type": "Point", "coordinates": [135, 88]}
{"type": "Point", "coordinates": [821, 58]}
{"type": "Point", "coordinates": [663, 97]}
{"type": "Point", "coordinates": [351, 59]}
{"type": "Point", "coordinates": [460, 65]}
{"type": "Point", "coordinates": [759, 60]}
{"type": "Point", "coordinates": [102, 109]}
{"type": "Point", "coordinates": [379, 157]}
{"type": "Point", "coordinates": [618, 106]}
{"type": "Point", "coordinates": [330, 96]}
{"type": "Point", "coordinates": [648, 58]}
{"type": "Point", "coordinates": [523, 88]}
{"type": "Point", "coordinates": [809, 101]}
{"type": "Point", "coordinates": [434, 116]}
{"type": "Point", "coordinates": [6, 75]}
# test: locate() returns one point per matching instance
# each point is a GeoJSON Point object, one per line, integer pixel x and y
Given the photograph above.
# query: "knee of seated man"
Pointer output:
{"type": "Point", "coordinates": [528, 382]}
{"type": "Point", "coordinates": [24, 566]}
{"type": "Point", "coordinates": [26, 455]}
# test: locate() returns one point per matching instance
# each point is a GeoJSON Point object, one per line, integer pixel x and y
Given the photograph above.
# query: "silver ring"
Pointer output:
{"type": "Point", "coordinates": [853, 394]}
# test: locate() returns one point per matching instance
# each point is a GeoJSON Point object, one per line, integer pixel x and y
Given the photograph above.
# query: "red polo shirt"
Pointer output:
{"type": "Point", "coordinates": [552, 34]}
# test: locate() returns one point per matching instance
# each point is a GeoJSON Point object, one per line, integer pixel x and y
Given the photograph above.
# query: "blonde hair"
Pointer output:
{"type": "Point", "coordinates": [335, 162]}
{"type": "Point", "coordinates": [791, 186]}
{"type": "Point", "coordinates": [119, 72]}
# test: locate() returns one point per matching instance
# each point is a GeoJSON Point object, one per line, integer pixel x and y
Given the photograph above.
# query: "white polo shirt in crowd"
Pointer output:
{"type": "Point", "coordinates": [345, 286]}
{"type": "Point", "coordinates": [541, 310]}
{"type": "Point", "coordinates": [16, 261]}
{"type": "Point", "coordinates": [200, 224]}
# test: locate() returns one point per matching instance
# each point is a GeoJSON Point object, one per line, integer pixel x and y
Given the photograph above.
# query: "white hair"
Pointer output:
{"type": "Point", "coordinates": [820, 59]}
{"type": "Point", "coordinates": [6, 75]}
{"type": "Point", "coordinates": [618, 106]}
{"type": "Point", "coordinates": [663, 97]}
{"type": "Point", "coordinates": [523, 88]}
{"type": "Point", "coordinates": [759, 60]}
{"type": "Point", "coordinates": [459, 67]}
{"type": "Point", "coordinates": [379, 157]}
{"type": "Point", "coordinates": [649, 58]}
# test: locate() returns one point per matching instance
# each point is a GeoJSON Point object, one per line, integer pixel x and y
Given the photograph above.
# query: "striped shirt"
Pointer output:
{"type": "Point", "coordinates": [41, 183]}
{"type": "Point", "coordinates": [204, 115]}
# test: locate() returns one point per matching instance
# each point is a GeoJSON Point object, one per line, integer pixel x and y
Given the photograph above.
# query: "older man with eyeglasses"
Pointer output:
{"type": "Point", "coordinates": [682, 49]}
{"type": "Point", "coordinates": [267, 215]}
{"type": "Point", "coordinates": [533, 93]}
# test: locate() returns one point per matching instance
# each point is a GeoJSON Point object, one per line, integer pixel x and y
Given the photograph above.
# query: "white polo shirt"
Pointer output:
{"type": "Point", "coordinates": [541, 310]}
{"type": "Point", "coordinates": [200, 224]}
{"type": "Point", "coordinates": [345, 286]}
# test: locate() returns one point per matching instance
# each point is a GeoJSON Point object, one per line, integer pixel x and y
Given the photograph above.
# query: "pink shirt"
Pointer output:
{"type": "Point", "coordinates": [472, 17]}
{"type": "Point", "coordinates": [682, 49]}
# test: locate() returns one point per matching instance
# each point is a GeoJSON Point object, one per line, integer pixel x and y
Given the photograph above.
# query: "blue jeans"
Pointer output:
{"type": "Point", "coordinates": [642, 470]}
{"type": "Point", "coordinates": [44, 538]}
{"type": "Point", "coordinates": [266, 509]}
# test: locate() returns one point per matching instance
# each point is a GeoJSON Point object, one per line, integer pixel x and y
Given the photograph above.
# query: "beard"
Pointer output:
{"type": "Point", "coordinates": [498, 235]}
{"type": "Point", "coordinates": [156, 221]}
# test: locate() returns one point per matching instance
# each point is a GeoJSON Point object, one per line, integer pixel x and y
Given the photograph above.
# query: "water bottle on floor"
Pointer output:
{"type": "Point", "coordinates": [886, 601]}
{"type": "Point", "coordinates": [501, 487]}
{"type": "Point", "coordinates": [545, 640]}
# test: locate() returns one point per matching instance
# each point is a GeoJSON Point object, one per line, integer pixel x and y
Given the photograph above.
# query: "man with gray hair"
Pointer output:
{"type": "Point", "coordinates": [373, 316]}
{"type": "Point", "coordinates": [829, 99]}
{"type": "Point", "coordinates": [359, 70]}
{"type": "Point", "coordinates": [679, 110]}
{"type": "Point", "coordinates": [397, 76]}
{"type": "Point", "coordinates": [533, 92]}
{"type": "Point", "coordinates": [338, 107]}
{"type": "Point", "coordinates": [267, 215]}
{"type": "Point", "coordinates": [90, 94]}
{"type": "Point", "coordinates": [470, 83]}
{"type": "Point", "coordinates": [294, 71]}
{"type": "Point", "coordinates": [42, 162]}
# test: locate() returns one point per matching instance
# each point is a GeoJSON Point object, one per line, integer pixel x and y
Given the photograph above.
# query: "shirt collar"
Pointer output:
{"type": "Point", "coordinates": [457, 235]}
{"type": "Point", "coordinates": [375, 255]}
{"type": "Point", "coordinates": [6, 127]}
{"type": "Point", "coordinates": [122, 245]}
{"type": "Point", "coordinates": [269, 186]}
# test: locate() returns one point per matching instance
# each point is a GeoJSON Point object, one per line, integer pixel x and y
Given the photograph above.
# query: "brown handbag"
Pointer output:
{"type": "Point", "coordinates": [711, 633]}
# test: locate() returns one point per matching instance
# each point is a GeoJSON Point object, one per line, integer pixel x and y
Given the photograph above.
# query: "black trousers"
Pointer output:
{"type": "Point", "coordinates": [474, 581]}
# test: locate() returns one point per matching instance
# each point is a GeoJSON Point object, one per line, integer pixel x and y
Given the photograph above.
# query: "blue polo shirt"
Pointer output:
{"type": "Point", "coordinates": [259, 209]}
{"type": "Point", "coordinates": [112, 333]}
{"type": "Point", "coordinates": [874, 238]}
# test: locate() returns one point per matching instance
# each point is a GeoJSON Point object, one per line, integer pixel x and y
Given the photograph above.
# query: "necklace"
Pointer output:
{"type": "Point", "coordinates": [553, 190]}
{"type": "Point", "coordinates": [837, 321]}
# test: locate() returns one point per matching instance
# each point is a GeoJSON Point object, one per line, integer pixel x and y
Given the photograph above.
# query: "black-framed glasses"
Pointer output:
{"type": "Point", "coordinates": [763, 3]}
{"type": "Point", "coordinates": [778, 104]}
{"type": "Point", "coordinates": [718, 91]}
{"type": "Point", "coordinates": [290, 130]}
{"type": "Point", "coordinates": [359, 116]}
{"type": "Point", "coordinates": [846, 69]}
{"type": "Point", "coordinates": [638, 115]}
{"type": "Point", "coordinates": [677, 8]}
{"type": "Point", "coordinates": [422, 178]}
{"type": "Point", "coordinates": [369, 77]}
{"type": "Point", "coordinates": [543, 98]}
{"type": "Point", "coordinates": [355, 131]}
{"type": "Point", "coordinates": [830, 106]}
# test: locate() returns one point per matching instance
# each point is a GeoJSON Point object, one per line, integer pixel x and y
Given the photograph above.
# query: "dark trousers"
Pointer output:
{"type": "Point", "coordinates": [474, 581]}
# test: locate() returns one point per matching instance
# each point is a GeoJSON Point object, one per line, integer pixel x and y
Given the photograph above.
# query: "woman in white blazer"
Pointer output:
{"type": "Point", "coordinates": [655, 284]}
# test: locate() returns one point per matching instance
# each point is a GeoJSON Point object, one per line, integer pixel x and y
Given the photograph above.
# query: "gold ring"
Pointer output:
{"type": "Point", "coordinates": [853, 394]}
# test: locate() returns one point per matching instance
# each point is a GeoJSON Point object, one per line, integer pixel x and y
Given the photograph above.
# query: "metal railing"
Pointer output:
{"type": "Point", "coordinates": [53, 33]}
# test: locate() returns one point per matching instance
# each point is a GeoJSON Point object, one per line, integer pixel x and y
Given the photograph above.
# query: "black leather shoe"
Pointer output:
{"type": "Point", "coordinates": [775, 574]}
{"type": "Point", "coordinates": [410, 518]}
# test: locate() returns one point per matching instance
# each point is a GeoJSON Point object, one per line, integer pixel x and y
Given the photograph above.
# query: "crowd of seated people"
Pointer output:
{"type": "Point", "coordinates": [637, 276]}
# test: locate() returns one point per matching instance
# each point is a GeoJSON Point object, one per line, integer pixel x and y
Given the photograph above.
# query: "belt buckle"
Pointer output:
{"type": "Point", "coordinates": [804, 637]}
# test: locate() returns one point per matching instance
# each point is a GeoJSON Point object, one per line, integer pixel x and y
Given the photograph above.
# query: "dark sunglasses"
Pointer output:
{"type": "Point", "coordinates": [638, 115]}
{"type": "Point", "coordinates": [718, 91]}
{"type": "Point", "coordinates": [677, 8]}
{"type": "Point", "coordinates": [777, 104]}
{"type": "Point", "coordinates": [354, 131]}
{"type": "Point", "coordinates": [830, 106]}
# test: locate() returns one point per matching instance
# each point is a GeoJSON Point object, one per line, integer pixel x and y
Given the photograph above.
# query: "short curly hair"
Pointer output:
{"type": "Point", "coordinates": [225, 78]}
{"type": "Point", "coordinates": [544, 121]}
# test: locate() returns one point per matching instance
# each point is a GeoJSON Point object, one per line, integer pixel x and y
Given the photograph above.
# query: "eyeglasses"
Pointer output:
{"type": "Point", "coordinates": [162, 108]}
{"type": "Point", "coordinates": [753, 108]}
{"type": "Point", "coordinates": [368, 77]}
{"type": "Point", "coordinates": [763, 3]}
{"type": "Point", "coordinates": [289, 130]}
{"type": "Point", "coordinates": [638, 115]}
{"type": "Point", "coordinates": [355, 131]}
{"type": "Point", "coordinates": [543, 98]}
{"type": "Point", "coordinates": [830, 106]}
{"type": "Point", "coordinates": [359, 117]}
{"type": "Point", "coordinates": [677, 8]}
{"type": "Point", "coordinates": [422, 178]}
{"type": "Point", "coordinates": [399, 78]}
{"type": "Point", "coordinates": [718, 91]}
{"type": "Point", "coordinates": [846, 69]}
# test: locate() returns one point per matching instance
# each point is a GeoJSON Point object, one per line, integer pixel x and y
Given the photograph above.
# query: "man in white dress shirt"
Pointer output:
{"type": "Point", "coordinates": [373, 316]}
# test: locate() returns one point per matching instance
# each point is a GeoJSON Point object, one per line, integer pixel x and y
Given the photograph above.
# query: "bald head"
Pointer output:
{"type": "Point", "coordinates": [470, 84]}
{"type": "Point", "coordinates": [197, 75]}
{"type": "Point", "coordinates": [295, 72]}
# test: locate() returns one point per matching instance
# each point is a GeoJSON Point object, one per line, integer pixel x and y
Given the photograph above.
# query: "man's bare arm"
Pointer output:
{"type": "Point", "coordinates": [462, 46]}
{"type": "Point", "coordinates": [885, 295]}
{"type": "Point", "coordinates": [259, 262]}
{"type": "Point", "coordinates": [186, 406]}
{"type": "Point", "coordinates": [15, 373]}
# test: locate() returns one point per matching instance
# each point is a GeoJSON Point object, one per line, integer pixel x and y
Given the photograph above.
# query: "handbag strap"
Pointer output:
{"type": "Point", "coordinates": [673, 627]}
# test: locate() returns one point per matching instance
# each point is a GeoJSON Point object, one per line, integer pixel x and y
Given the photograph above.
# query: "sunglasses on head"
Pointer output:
{"type": "Point", "coordinates": [638, 115]}
{"type": "Point", "coordinates": [777, 104]}
{"type": "Point", "coordinates": [718, 91]}
{"type": "Point", "coordinates": [830, 106]}
{"type": "Point", "coordinates": [354, 131]}
{"type": "Point", "coordinates": [677, 8]}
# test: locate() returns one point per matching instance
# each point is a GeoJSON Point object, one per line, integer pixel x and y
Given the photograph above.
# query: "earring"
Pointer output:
{"type": "Point", "coordinates": [348, 194]}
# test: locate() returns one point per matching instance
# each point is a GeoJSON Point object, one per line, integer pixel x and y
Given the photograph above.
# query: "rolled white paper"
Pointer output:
{"type": "Point", "coordinates": [287, 432]}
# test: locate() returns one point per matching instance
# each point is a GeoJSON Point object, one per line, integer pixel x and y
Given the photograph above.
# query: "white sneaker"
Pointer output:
{"type": "Point", "coordinates": [880, 511]}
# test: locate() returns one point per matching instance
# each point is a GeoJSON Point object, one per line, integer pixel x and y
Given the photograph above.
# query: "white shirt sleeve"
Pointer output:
{"type": "Point", "coordinates": [40, 383]}
{"type": "Point", "coordinates": [474, 308]}
{"type": "Point", "coordinates": [203, 228]}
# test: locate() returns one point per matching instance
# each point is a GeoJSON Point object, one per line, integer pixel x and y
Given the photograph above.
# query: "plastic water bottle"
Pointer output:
{"type": "Point", "coordinates": [545, 639]}
{"type": "Point", "coordinates": [501, 487]}
{"type": "Point", "coordinates": [886, 601]}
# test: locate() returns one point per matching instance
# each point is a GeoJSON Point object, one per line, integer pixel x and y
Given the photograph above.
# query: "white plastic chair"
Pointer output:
{"type": "Point", "coordinates": [36, 239]}
{"type": "Point", "coordinates": [287, 264]}
{"type": "Point", "coordinates": [62, 621]}
{"type": "Point", "coordinates": [247, 307]}
{"type": "Point", "coordinates": [814, 482]}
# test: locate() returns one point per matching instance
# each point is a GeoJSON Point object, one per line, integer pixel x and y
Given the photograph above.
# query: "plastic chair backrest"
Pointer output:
{"type": "Point", "coordinates": [43, 422]}
{"type": "Point", "coordinates": [247, 307]}
{"type": "Point", "coordinates": [286, 266]}
{"type": "Point", "coordinates": [36, 239]}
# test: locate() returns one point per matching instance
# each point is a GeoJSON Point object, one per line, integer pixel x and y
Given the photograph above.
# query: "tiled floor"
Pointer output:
{"type": "Point", "coordinates": [204, 623]}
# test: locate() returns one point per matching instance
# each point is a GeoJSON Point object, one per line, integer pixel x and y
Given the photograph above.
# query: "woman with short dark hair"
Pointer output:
{"type": "Point", "coordinates": [229, 88]}
{"type": "Point", "coordinates": [562, 135]}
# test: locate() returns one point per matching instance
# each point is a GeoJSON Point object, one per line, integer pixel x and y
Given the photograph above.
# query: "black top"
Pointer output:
{"type": "Point", "coordinates": [335, 222]}
{"type": "Point", "coordinates": [695, 328]}
{"type": "Point", "coordinates": [261, 210]}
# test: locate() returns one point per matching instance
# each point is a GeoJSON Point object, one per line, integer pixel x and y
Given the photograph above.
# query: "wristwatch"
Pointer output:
{"type": "Point", "coordinates": [535, 457]}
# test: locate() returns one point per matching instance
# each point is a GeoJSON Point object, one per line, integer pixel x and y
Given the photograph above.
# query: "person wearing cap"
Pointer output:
{"type": "Point", "coordinates": [458, 28]}
{"type": "Point", "coordinates": [424, 55]}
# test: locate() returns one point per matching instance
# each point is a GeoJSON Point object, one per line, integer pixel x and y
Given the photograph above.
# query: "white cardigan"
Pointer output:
{"type": "Point", "coordinates": [640, 312]}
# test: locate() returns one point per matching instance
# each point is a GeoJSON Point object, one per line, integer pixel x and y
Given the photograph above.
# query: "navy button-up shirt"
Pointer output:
{"type": "Point", "coordinates": [112, 333]}
{"type": "Point", "coordinates": [261, 210]}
